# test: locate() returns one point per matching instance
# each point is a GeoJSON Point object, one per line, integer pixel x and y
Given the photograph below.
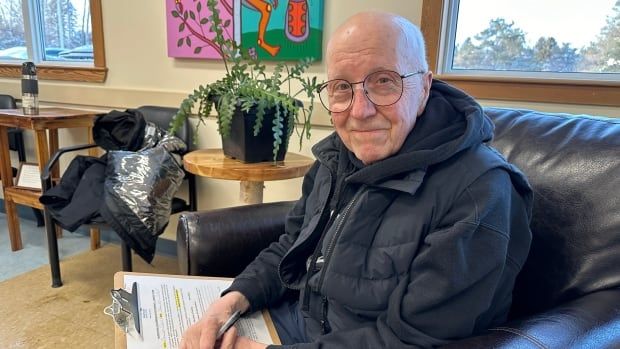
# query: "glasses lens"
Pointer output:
{"type": "Point", "coordinates": [336, 95]}
{"type": "Point", "coordinates": [384, 87]}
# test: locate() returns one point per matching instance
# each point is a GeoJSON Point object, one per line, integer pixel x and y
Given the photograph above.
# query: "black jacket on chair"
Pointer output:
{"type": "Point", "coordinates": [568, 293]}
{"type": "Point", "coordinates": [130, 188]}
{"type": "Point", "coordinates": [77, 198]}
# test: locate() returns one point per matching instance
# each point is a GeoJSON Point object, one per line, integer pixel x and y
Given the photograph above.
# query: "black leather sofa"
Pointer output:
{"type": "Point", "coordinates": [567, 295]}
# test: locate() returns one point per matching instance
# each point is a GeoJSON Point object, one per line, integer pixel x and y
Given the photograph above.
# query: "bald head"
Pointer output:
{"type": "Point", "coordinates": [383, 55]}
{"type": "Point", "coordinates": [391, 34]}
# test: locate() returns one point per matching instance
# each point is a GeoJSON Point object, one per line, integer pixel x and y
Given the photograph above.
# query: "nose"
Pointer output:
{"type": "Point", "coordinates": [361, 106]}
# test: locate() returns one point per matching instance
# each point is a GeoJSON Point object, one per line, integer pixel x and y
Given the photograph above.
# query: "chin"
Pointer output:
{"type": "Point", "coordinates": [368, 158]}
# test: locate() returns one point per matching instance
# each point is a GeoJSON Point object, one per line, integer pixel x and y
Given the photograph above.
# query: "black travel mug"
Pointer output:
{"type": "Point", "coordinates": [30, 89]}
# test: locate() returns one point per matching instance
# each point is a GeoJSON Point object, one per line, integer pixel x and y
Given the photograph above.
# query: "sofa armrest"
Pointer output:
{"type": "Point", "coordinates": [591, 321]}
{"type": "Point", "coordinates": [223, 242]}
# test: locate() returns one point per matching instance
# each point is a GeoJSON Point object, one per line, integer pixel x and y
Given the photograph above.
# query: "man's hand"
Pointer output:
{"type": "Point", "coordinates": [231, 340]}
{"type": "Point", "coordinates": [201, 335]}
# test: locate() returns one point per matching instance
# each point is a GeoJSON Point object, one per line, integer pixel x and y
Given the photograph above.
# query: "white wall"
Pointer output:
{"type": "Point", "coordinates": [140, 72]}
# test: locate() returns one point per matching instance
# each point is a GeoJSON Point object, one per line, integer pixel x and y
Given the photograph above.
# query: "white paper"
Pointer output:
{"type": "Point", "coordinates": [29, 176]}
{"type": "Point", "coordinates": [168, 306]}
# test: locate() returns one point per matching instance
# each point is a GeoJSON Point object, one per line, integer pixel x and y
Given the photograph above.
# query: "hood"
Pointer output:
{"type": "Point", "coordinates": [451, 122]}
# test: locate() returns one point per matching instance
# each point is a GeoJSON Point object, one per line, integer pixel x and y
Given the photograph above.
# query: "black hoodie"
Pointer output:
{"type": "Point", "coordinates": [422, 247]}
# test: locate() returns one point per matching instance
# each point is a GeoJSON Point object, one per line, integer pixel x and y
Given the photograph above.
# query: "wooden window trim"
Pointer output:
{"type": "Point", "coordinates": [600, 93]}
{"type": "Point", "coordinates": [46, 71]}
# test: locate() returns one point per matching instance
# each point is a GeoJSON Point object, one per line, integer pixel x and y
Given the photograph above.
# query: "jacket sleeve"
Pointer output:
{"type": "Point", "coordinates": [456, 278]}
{"type": "Point", "coordinates": [260, 282]}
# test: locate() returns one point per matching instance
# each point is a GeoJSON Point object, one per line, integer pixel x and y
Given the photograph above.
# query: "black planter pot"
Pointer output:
{"type": "Point", "coordinates": [242, 145]}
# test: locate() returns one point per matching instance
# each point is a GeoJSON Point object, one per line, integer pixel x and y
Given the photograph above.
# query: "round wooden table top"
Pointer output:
{"type": "Point", "coordinates": [212, 163]}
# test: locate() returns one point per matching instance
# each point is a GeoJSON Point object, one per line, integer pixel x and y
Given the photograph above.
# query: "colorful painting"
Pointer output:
{"type": "Point", "coordinates": [269, 29]}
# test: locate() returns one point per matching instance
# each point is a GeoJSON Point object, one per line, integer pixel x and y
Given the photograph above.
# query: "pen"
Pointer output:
{"type": "Point", "coordinates": [231, 321]}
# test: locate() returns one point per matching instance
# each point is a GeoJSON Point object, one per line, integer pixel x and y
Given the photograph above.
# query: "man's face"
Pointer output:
{"type": "Point", "coordinates": [373, 132]}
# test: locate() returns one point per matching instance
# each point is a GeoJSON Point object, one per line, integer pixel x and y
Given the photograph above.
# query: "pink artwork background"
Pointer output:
{"type": "Point", "coordinates": [190, 20]}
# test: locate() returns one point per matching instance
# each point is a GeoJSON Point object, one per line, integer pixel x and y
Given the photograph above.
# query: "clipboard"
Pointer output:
{"type": "Point", "coordinates": [120, 337]}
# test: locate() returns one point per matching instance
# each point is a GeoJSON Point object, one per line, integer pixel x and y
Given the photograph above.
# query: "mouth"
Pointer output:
{"type": "Point", "coordinates": [369, 130]}
{"type": "Point", "coordinates": [374, 135]}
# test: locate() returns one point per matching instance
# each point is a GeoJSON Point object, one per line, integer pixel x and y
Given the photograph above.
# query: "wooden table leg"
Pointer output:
{"type": "Point", "coordinates": [7, 181]}
{"type": "Point", "coordinates": [53, 147]}
{"type": "Point", "coordinates": [95, 238]}
{"type": "Point", "coordinates": [95, 233]}
{"type": "Point", "coordinates": [251, 192]}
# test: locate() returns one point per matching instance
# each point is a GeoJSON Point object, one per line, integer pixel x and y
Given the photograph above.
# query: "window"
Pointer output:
{"type": "Point", "coordinates": [63, 37]}
{"type": "Point", "coordinates": [527, 50]}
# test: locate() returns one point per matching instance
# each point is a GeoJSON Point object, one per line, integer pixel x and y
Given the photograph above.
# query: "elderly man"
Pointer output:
{"type": "Point", "coordinates": [410, 230]}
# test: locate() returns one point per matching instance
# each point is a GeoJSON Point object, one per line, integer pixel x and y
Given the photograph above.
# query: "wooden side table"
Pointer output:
{"type": "Point", "coordinates": [212, 163]}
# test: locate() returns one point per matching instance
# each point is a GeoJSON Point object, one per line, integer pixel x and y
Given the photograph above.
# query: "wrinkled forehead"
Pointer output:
{"type": "Point", "coordinates": [366, 44]}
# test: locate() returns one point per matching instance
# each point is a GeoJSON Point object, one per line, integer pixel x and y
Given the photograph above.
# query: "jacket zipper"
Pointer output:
{"type": "Point", "coordinates": [325, 207]}
{"type": "Point", "coordinates": [325, 327]}
{"type": "Point", "coordinates": [332, 242]}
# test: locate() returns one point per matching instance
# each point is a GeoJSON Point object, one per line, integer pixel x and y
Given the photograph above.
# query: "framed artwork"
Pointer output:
{"type": "Point", "coordinates": [269, 29]}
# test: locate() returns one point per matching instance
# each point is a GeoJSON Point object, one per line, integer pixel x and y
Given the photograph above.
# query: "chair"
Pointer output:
{"type": "Point", "coordinates": [567, 294]}
{"type": "Point", "coordinates": [16, 142]}
{"type": "Point", "coordinates": [160, 116]}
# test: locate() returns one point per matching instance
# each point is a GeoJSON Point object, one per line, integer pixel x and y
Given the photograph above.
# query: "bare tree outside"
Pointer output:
{"type": "Point", "coordinates": [503, 46]}
{"type": "Point", "coordinates": [11, 24]}
{"type": "Point", "coordinates": [65, 30]}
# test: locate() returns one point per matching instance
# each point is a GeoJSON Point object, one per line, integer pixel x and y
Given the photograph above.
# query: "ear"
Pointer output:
{"type": "Point", "coordinates": [427, 81]}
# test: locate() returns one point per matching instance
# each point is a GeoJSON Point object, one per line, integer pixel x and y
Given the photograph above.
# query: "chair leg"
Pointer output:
{"type": "Point", "coordinates": [52, 246]}
{"type": "Point", "coordinates": [21, 149]}
{"type": "Point", "coordinates": [126, 255]}
{"type": "Point", "coordinates": [193, 200]}
{"type": "Point", "coordinates": [38, 215]}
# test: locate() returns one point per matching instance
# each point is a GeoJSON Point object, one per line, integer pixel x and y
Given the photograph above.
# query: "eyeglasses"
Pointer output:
{"type": "Point", "coordinates": [382, 88]}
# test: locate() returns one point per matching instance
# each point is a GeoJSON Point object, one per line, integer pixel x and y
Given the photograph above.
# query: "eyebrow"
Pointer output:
{"type": "Point", "coordinates": [376, 69]}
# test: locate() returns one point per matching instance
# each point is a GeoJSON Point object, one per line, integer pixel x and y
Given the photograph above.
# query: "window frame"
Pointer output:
{"type": "Point", "coordinates": [522, 89]}
{"type": "Point", "coordinates": [47, 71]}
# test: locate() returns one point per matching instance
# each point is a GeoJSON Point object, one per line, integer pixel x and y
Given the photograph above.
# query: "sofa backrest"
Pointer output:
{"type": "Point", "coordinates": [573, 165]}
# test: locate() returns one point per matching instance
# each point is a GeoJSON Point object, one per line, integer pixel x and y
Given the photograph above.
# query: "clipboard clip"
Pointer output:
{"type": "Point", "coordinates": [125, 310]}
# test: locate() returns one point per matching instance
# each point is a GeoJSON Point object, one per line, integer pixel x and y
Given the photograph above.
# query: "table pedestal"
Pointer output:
{"type": "Point", "coordinates": [251, 192]}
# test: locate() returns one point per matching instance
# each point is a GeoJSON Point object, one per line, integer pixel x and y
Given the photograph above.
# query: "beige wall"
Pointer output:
{"type": "Point", "coordinates": [140, 72]}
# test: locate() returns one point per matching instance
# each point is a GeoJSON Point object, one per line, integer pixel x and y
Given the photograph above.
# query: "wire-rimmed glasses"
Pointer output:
{"type": "Point", "coordinates": [382, 88]}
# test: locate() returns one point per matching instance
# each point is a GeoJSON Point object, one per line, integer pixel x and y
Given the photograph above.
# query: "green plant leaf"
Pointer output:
{"type": "Point", "coordinates": [180, 42]}
{"type": "Point", "coordinates": [181, 26]}
{"type": "Point", "coordinates": [197, 50]}
{"type": "Point", "coordinates": [277, 128]}
{"type": "Point", "coordinates": [188, 41]}
{"type": "Point", "coordinates": [175, 14]}
{"type": "Point", "coordinates": [192, 15]}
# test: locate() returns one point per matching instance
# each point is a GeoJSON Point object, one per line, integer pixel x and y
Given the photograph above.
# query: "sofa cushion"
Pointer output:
{"type": "Point", "coordinates": [573, 164]}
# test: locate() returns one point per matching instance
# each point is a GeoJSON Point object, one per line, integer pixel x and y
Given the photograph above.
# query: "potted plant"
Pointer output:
{"type": "Point", "coordinates": [250, 100]}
